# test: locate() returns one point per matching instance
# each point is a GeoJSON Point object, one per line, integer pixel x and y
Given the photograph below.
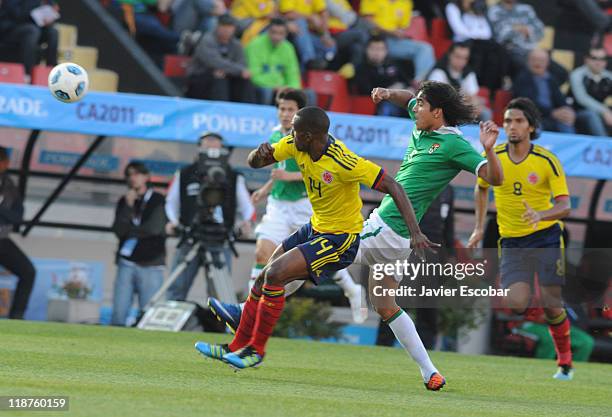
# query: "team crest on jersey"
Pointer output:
{"type": "Point", "coordinates": [434, 147]}
{"type": "Point", "coordinates": [533, 178]}
{"type": "Point", "coordinates": [327, 177]}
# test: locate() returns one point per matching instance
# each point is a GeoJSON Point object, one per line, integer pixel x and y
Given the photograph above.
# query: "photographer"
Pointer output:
{"type": "Point", "coordinates": [182, 209]}
{"type": "Point", "coordinates": [141, 255]}
{"type": "Point", "coordinates": [11, 257]}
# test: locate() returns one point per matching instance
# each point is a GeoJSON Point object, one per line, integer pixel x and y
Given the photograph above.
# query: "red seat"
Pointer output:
{"type": "Point", "coordinates": [12, 73]}
{"type": "Point", "coordinates": [40, 75]}
{"type": "Point", "coordinates": [485, 93]}
{"type": "Point", "coordinates": [418, 29]}
{"type": "Point", "coordinates": [440, 36]}
{"type": "Point", "coordinates": [608, 43]}
{"type": "Point", "coordinates": [176, 65]}
{"type": "Point", "coordinates": [331, 89]}
{"type": "Point", "coordinates": [502, 98]}
{"type": "Point", "coordinates": [362, 105]}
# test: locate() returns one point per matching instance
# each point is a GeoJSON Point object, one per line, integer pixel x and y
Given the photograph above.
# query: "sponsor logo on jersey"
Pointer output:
{"type": "Point", "coordinates": [434, 147]}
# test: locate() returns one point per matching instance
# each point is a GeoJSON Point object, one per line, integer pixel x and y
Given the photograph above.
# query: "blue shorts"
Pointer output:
{"type": "Point", "coordinates": [541, 252]}
{"type": "Point", "coordinates": [325, 253]}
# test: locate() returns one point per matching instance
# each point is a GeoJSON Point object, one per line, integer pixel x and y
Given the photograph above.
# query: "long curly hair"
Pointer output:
{"type": "Point", "coordinates": [456, 108]}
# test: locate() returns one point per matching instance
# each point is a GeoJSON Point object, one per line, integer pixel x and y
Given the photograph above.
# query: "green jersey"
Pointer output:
{"type": "Point", "coordinates": [431, 161]}
{"type": "Point", "coordinates": [286, 190]}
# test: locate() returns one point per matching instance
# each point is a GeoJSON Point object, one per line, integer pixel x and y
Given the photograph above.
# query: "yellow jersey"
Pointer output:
{"type": "Point", "coordinates": [303, 7]}
{"type": "Point", "coordinates": [536, 180]}
{"type": "Point", "coordinates": [388, 14]}
{"type": "Point", "coordinates": [255, 9]}
{"type": "Point", "coordinates": [332, 183]}
{"type": "Point", "coordinates": [334, 23]}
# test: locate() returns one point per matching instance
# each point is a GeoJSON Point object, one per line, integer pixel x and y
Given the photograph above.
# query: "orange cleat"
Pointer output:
{"type": "Point", "coordinates": [436, 382]}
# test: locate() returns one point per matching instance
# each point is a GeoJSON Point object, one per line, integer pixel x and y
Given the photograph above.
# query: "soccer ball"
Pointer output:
{"type": "Point", "coordinates": [68, 82]}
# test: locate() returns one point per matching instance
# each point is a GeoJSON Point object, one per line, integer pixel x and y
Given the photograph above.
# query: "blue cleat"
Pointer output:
{"type": "Point", "coordinates": [564, 373]}
{"type": "Point", "coordinates": [244, 358]}
{"type": "Point", "coordinates": [212, 351]}
{"type": "Point", "coordinates": [226, 312]}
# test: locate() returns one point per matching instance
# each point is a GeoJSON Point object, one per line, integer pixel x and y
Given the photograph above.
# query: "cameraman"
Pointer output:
{"type": "Point", "coordinates": [11, 257]}
{"type": "Point", "coordinates": [141, 256]}
{"type": "Point", "coordinates": [182, 206]}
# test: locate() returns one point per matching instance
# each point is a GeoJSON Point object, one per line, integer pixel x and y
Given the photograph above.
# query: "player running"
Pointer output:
{"type": "Point", "coordinates": [329, 242]}
{"type": "Point", "coordinates": [436, 153]}
{"type": "Point", "coordinates": [528, 220]}
{"type": "Point", "coordinates": [288, 208]}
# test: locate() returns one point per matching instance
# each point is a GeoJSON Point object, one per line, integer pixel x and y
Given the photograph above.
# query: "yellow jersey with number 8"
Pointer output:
{"type": "Point", "coordinates": [535, 180]}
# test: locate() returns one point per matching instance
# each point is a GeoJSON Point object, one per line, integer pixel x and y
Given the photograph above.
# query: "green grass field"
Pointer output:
{"type": "Point", "coordinates": [112, 372]}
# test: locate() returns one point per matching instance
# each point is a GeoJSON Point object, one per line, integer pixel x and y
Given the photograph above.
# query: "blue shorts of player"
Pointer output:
{"type": "Point", "coordinates": [325, 253]}
{"type": "Point", "coordinates": [540, 252]}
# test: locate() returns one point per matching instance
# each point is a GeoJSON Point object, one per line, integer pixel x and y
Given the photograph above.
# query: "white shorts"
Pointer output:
{"type": "Point", "coordinates": [282, 218]}
{"type": "Point", "coordinates": [379, 244]}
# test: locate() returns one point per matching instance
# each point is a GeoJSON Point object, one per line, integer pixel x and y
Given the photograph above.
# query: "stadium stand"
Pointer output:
{"type": "Point", "coordinates": [11, 73]}
{"type": "Point", "coordinates": [40, 74]}
{"type": "Point", "coordinates": [103, 80]}
{"type": "Point", "coordinates": [331, 90]}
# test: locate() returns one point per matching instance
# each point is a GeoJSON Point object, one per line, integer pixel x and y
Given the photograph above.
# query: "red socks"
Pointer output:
{"type": "Point", "coordinates": [247, 321]}
{"type": "Point", "coordinates": [559, 328]}
{"type": "Point", "coordinates": [269, 310]}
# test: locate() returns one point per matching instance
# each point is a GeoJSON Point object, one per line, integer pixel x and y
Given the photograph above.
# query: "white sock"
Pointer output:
{"type": "Point", "coordinates": [405, 332]}
{"type": "Point", "coordinates": [255, 274]}
{"type": "Point", "coordinates": [293, 286]}
{"type": "Point", "coordinates": [345, 281]}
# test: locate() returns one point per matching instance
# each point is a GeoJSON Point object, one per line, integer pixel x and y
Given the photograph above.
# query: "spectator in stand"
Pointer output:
{"type": "Point", "coordinates": [468, 22]}
{"type": "Point", "coordinates": [517, 28]}
{"type": "Point", "coordinates": [193, 15]}
{"type": "Point", "coordinates": [391, 18]}
{"type": "Point", "coordinates": [253, 16]}
{"type": "Point", "coordinates": [430, 9]}
{"type": "Point", "coordinates": [218, 69]}
{"type": "Point", "coordinates": [11, 257]}
{"type": "Point", "coordinates": [19, 29]}
{"type": "Point", "coordinates": [578, 22]}
{"type": "Point", "coordinates": [453, 69]}
{"type": "Point", "coordinates": [145, 24]}
{"type": "Point", "coordinates": [591, 86]}
{"type": "Point", "coordinates": [273, 62]}
{"type": "Point", "coordinates": [140, 220]}
{"type": "Point", "coordinates": [537, 84]}
{"type": "Point", "coordinates": [351, 34]}
{"type": "Point", "coordinates": [307, 22]}
{"type": "Point", "coordinates": [379, 70]}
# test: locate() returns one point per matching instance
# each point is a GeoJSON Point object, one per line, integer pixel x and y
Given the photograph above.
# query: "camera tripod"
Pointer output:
{"type": "Point", "coordinates": [215, 271]}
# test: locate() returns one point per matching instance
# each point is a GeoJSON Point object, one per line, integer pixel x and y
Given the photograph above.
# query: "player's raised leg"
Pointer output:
{"type": "Point", "coordinates": [245, 319]}
{"type": "Point", "coordinates": [279, 272]}
{"type": "Point", "coordinates": [405, 332]}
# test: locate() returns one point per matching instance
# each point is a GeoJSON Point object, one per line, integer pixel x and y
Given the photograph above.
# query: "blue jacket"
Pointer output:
{"type": "Point", "coordinates": [524, 85]}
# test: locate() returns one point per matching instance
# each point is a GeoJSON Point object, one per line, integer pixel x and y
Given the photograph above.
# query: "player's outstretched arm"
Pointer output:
{"type": "Point", "coordinates": [398, 97]}
{"type": "Point", "coordinates": [492, 171]}
{"type": "Point", "coordinates": [481, 202]}
{"type": "Point", "coordinates": [262, 156]}
{"type": "Point", "coordinates": [418, 240]}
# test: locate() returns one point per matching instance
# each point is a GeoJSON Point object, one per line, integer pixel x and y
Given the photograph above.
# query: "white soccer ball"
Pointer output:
{"type": "Point", "coordinates": [68, 82]}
